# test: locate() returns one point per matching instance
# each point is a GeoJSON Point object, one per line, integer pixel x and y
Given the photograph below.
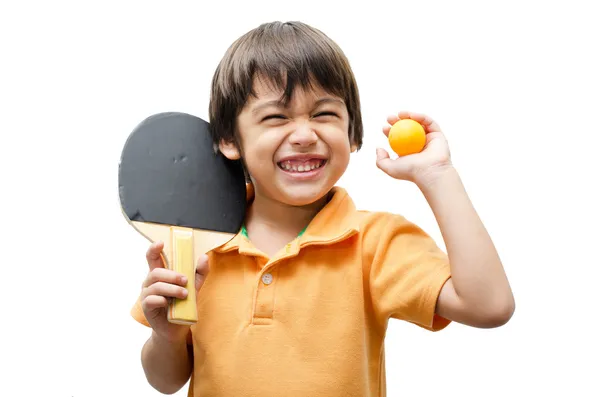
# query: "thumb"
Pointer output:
{"type": "Point", "coordinates": [201, 270]}
{"type": "Point", "coordinates": [384, 162]}
{"type": "Point", "coordinates": [153, 255]}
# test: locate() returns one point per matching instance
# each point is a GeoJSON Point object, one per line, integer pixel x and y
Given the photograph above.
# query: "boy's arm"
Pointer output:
{"type": "Point", "coordinates": [478, 294]}
{"type": "Point", "coordinates": [167, 364]}
{"type": "Point", "coordinates": [167, 356]}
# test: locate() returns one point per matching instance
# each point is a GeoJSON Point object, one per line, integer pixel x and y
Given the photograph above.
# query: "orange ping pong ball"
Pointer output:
{"type": "Point", "coordinates": [407, 136]}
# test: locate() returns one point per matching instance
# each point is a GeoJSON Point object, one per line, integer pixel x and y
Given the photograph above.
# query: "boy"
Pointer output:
{"type": "Point", "coordinates": [297, 304]}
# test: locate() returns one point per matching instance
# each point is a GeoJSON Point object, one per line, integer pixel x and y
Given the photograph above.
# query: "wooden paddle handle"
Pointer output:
{"type": "Point", "coordinates": [183, 311]}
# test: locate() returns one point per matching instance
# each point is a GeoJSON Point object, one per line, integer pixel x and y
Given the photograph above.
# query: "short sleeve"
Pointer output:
{"type": "Point", "coordinates": [407, 273]}
{"type": "Point", "coordinates": [138, 313]}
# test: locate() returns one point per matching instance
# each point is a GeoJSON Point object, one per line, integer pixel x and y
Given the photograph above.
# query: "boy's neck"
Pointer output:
{"type": "Point", "coordinates": [268, 218]}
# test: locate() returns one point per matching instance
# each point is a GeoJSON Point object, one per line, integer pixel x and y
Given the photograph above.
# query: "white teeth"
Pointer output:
{"type": "Point", "coordinates": [288, 166]}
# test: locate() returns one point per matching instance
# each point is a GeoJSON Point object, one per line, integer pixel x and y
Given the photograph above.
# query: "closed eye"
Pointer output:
{"type": "Point", "coordinates": [273, 116]}
{"type": "Point", "coordinates": [326, 114]}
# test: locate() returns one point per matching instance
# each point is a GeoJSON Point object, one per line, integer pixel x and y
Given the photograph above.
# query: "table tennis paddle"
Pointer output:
{"type": "Point", "coordinates": [174, 188]}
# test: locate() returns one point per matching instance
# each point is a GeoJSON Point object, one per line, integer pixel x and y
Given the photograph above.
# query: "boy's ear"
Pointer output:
{"type": "Point", "coordinates": [229, 150]}
{"type": "Point", "coordinates": [353, 147]}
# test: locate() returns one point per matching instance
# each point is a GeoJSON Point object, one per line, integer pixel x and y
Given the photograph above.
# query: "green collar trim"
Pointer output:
{"type": "Point", "coordinates": [245, 232]}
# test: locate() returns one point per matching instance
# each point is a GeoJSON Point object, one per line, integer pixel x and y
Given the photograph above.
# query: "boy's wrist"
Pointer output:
{"type": "Point", "coordinates": [435, 178]}
{"type": "Point", "coordinates": [168, 343]}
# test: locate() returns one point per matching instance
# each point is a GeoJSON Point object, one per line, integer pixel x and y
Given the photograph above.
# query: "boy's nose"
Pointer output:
{"type": "Point", "coordinates": [303, 135]}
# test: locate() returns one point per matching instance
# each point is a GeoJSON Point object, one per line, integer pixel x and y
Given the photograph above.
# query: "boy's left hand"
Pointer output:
{"type": "Point", "coordinates": [418, 167]}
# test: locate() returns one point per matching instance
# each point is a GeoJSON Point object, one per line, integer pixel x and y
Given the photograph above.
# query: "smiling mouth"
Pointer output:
{"type": "Point", "coordinates": [301, 166]}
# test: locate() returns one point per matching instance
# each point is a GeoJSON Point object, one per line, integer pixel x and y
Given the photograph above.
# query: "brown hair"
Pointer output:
{"type": "Point", "coordinates": [290, 51]}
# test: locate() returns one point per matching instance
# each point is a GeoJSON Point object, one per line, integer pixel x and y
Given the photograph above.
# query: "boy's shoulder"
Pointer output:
{"type": "Point", "coordinates": [364, 219]}
{"type": "Point", "coordinates": [376, 220]}
{"type": "Point", "coordinates": [381, 228]}
{"type": "Point", "coordinates": [373, 227]}
{"type": "Point", "coordinates": [341, 213]}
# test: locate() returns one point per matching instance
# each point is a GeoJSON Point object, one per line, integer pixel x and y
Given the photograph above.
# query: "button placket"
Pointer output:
{"type": "Point", "coordinates": [265, 287]}
{"type": "Point", "coordinates": [265, 297]}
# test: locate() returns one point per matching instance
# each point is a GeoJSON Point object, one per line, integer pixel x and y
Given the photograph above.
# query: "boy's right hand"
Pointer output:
{"type": "Point", "coordinates": [160, 286]}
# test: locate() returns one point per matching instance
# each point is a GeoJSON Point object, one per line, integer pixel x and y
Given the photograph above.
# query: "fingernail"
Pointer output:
{"type": "Point", "coordinates": [183, 279]}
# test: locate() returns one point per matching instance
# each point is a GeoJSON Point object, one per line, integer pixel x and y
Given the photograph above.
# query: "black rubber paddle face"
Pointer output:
{"type": "Point", "coordinates": [169, 174]}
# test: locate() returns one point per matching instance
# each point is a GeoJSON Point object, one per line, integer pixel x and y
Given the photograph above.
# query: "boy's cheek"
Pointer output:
{"type": "Point", "coordinates": [259, 164]}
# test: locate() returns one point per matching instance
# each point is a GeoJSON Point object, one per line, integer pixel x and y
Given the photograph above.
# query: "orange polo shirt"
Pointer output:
{"type": "Point", "coordinates": [311, 320]}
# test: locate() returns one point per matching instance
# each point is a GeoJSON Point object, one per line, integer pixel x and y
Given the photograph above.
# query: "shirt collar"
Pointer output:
{"type": "Point", "coordinates": [336, 221]}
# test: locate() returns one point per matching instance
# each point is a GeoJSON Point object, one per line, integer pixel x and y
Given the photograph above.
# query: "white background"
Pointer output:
{"type": "Point", "coordinates": [514, 86]}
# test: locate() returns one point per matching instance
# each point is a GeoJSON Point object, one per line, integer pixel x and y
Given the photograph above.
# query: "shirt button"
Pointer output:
{"type": "Point", "coordinates": [267, 278]}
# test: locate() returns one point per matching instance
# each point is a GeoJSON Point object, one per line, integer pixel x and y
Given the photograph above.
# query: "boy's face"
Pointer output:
{"type": "Point", "coordinates": [294, 154]}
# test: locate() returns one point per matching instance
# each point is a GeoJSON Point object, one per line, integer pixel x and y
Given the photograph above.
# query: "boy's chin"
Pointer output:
{"type": "Point", "coordinates": [302, 196]}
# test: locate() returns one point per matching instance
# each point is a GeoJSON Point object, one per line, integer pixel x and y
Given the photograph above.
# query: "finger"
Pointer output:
{"type": "Point", "coordinates": [384, 162]}
{"type": "Point", "coordinates": [432, 126]}
{"type": "Point", "coordinates": [154, 302]}
{"type": "Point", "coordinates": [404, 114]}
{"type": "Point", "coordinates": [382, 154]}
{"type": "Point", "coordinates": [427, 122]}
{"type": "Point", "coordinates": [201, 271]}
{"type": "Point", "coordinates": [418, 117]}
{"type": "Point", "coordinates": [153, 255]}
{"type": "Point", "coordinates": [164, 275]}
{"type": "Point", "coordinates": [386, 130]}
{"type": "Point", "coordinates": [392, 119]}
{"type": "Point", "coordinates": [167, 290]}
